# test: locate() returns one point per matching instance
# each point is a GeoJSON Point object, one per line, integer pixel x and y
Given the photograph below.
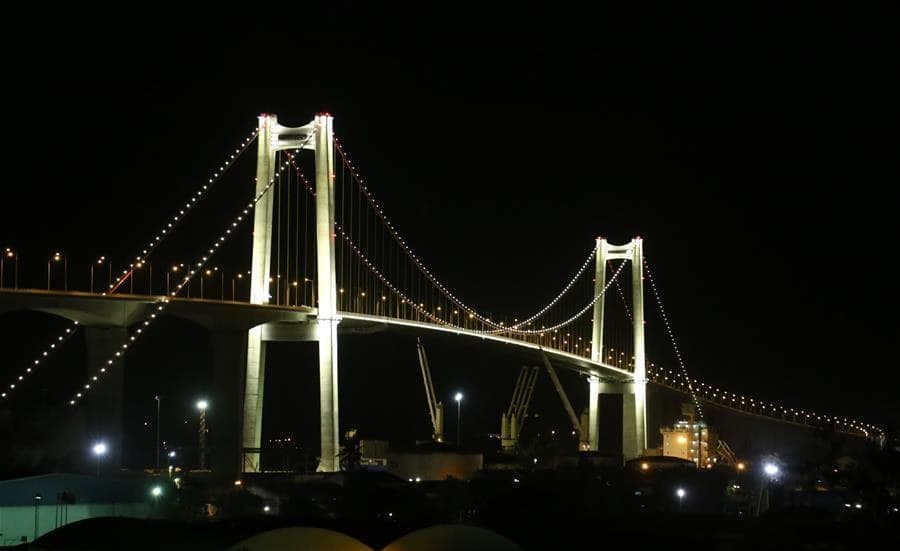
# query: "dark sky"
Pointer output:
{"type": "Point", "coordinates": [753, 148]}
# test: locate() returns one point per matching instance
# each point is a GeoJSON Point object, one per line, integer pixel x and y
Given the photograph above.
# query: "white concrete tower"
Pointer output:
{"type": "Point", "coordinates": [327, 321]}
{"type": "Point", "coordinates": [599, 282]}
{"type": "Point", "coordinates": [640, 357]}
{"type": "Point", "coordinates": [272, 137]}
{"type": "Point", "coordinates": [634, 430]}
{"type": "Point", "coordinates": [593, 430]}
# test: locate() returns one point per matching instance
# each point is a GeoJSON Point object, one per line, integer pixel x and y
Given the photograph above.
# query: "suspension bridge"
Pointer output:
{"type": "Point", "coordinates": [327, 260]}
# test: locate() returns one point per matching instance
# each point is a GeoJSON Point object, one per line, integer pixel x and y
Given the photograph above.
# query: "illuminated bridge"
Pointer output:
{"type": "Point", "coordinates": [326, 260]}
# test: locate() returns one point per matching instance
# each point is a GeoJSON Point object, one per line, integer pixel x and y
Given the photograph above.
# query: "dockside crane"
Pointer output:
{"type": "Point", "coordinates": [435, 408]}
{"type": "Point", "coordinates": [512, 421]}
{"type": "Point", "coordinates": [580, 428]}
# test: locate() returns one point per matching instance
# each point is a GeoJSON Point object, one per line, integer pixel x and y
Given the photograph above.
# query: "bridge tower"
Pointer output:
{"type": "Point", "coordinates": [317, 136]}
{"type": "Point", "coordinates": [634, 394]}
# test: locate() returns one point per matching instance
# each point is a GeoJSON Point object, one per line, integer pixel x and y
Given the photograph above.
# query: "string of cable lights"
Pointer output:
{"type": "Point", "coordinates": [500, 328]}
{"type": "Point", "coordinates": [509, 330]}
{"type": "Point", "coordinates": [160, 305]}
{"type": "Point", "coordinates": [140, 259]}
{"type": "Point", "coordinates": [559, 296]}
{"type": "Point", "coordinates": [731, 399]}
{"type": "Point", "coordinates": [675, 380]}
{"type": "Point", "coordinates": [42, 359]}
{"type": "Point", "coordinates": [672, 340]}
{"type": "Point", "coordinates": [624, 302]}
{"type": "Point", "coordinates": [183, 211]}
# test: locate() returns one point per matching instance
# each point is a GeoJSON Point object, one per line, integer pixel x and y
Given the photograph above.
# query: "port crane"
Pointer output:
{"type": "Point", "coordinates": [512, 421]}
{"type": "Point", "coordinates": [435, 408]}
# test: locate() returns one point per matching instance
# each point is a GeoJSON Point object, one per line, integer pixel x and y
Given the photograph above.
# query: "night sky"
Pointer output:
{"type": "Point", "coordinates": [753, 148]}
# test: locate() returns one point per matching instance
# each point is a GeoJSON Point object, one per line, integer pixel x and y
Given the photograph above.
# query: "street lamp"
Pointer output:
{"type": "Point", "coordinates": [458, 399]}
{"type": "Point", "coordinates": [157, 430]}
{"type": "Point", "coordinates": [202, 405]}
{"type": "Point", "coordinates": [99, 451]}
{"type": "Point", "coordinates": [58, 256]}
{"type": "Point", "coordinates": [209, 272]}
{"type": "Point", "coordinates": [680, 493]}
{"type": "Point", "coordinates": [100, 262]}
{"type": "Point", "coordinates": [10, 254]}
{"type": "Point", "coordinates": [37, 501]}
{"type": "Point", "coordinates": [295, 291]}
{"type": "Point", "coordinates": [221, 283]}
{"type": "Point", "coordinates": [237, 276]}
{"type": "Point", "coordinates": [140, 265]}
{"type": "Point", "coordinates": [312, 287]}
{"type": "Point", "coordinates": [770, 470]}
{"type": "Point", "coordinates": [175, 270]}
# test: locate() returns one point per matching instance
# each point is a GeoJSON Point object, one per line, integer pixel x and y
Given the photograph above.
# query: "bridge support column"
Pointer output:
{"type": "Point", "coordinates": [635, 413]}
{"type": "Point", "coordinates": [631, 447]}
{"type": "Point", "coordinates": [327, 308]}
{"type": "Point", "coordinates": [593, 421]}
{"type": "Point", "coordinates": [229, 355]}
{"type": "Point", "coordinates": [599, 283]}
{"type": "Point", "coordinates": [105, 406]}
{"type": "Point", "coordinates": [640, 361]}
{"type": "Point", "coordinates": [254, 386]}
{"type": "Point", "coordinates": [328, 395]}
{"type": "Point", "coordinates": [261, 259]}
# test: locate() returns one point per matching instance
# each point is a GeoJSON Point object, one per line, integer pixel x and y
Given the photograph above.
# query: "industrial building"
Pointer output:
{"type": "Point", "coordinates": [35, 505]}
{"type": "Point", "coordinates": [691, 439]}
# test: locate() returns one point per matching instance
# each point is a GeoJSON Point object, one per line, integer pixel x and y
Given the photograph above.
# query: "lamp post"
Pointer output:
{"type": "Point", "coordinates": [770, 471]}
{"type": "Point", "coordinates": [680, 493]}
{"type": "Point", "coordinates": [99, 451]}
{"type": "Point", "coordinates": [278, 289]}
{"type": "Point", "coordinates": [100, 262]}
{"type": "Point", "coordinates": [137, 267]}
{"type": "Point", "coordinates": [57, 256]}
{"type": "Point", "coordinates": [312, 284]}
{"type": "Point", "coordinates": [10, 254]}
{"type": "Point", "coordinates": [237, 276]}
{"type": "Point", "coordinates": [157, 430]}
{"type": "Point", "coordinates": [458, 399]}
{"type": "Point", "coordinates": [207, 272]}
{"type": "Point", "coordinates": [169, 273]}
{"type": "Point", "coordinates": [176, 269]}
{"type": "Point", "coordinates": [37, 501]}
{"type": "Point", "coordinates": [202, 405]}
